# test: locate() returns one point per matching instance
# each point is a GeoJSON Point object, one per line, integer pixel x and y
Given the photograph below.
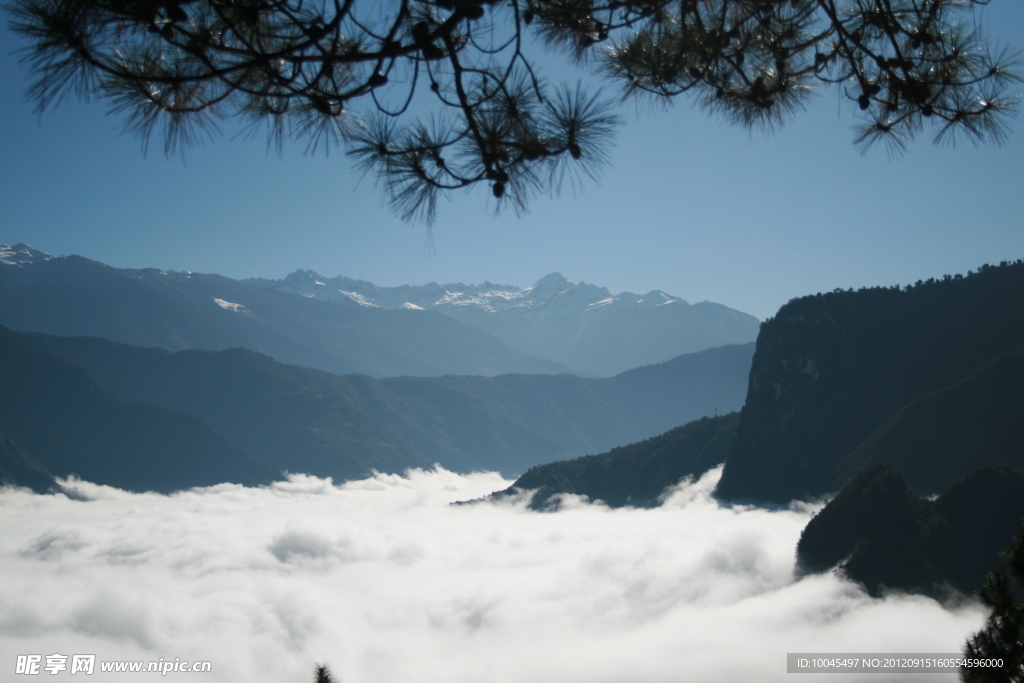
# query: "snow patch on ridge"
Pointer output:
{"type": "Point", "coordinates": [228, 306]}
{"type": "Point", "coordinates": [603, 302]}
{"type": "Point", "coordinates": [359, 299]}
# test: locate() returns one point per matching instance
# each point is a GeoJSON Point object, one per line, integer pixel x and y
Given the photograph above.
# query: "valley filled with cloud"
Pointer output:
{"type": "Point", "coordinates": [386, 581]}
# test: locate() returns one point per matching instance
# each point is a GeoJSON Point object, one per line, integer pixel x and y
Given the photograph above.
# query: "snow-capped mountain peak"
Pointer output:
{"type": "Point", "coordinates": [20, 254]}
{"type": "Point", "coordinates": [552, 283]}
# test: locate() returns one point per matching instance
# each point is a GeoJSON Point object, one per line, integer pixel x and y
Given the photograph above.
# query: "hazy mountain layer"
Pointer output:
{"type": "Point", "coordinates": [59, 420]}
{"type": "Point", "coordinates": [20, 468]}
{"type": "Point", "coordinates": [579, 325]}
{"type": "Point", "coordinates": [305, 420]}
{"type": "Point", "coordinates": [75, 296]}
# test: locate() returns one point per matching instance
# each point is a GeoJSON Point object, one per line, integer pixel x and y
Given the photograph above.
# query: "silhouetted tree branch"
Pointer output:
{"type": "Point", "coordinates": [296, 68]}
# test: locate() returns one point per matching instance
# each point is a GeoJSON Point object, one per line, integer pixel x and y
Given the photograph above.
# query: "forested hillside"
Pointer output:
{"type": "Point", "coordinates": [636, 474]}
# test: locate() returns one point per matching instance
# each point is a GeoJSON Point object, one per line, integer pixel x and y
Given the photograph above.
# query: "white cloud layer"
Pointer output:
{"type": "Point", "coordinates": [387, 583]}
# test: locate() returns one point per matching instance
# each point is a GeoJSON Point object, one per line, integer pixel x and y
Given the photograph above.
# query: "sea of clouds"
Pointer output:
{"type": "Point", "coordinates": [388, 583]}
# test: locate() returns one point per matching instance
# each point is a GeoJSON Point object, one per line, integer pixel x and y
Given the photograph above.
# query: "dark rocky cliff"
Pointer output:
{"type": "Point", "coordinates": [831, 369]}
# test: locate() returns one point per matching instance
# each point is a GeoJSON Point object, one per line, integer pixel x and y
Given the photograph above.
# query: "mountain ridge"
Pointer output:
{"type": "Point", "coordinates": [344, 326]}
{"type": "Point", "coordinates": [580, 325]}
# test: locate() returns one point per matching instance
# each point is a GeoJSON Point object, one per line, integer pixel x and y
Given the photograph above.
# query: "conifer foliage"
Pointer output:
{"type": "Point", "coordinates": [298, 68]}
{"type": "Point", "coordinates": [1003, 635]}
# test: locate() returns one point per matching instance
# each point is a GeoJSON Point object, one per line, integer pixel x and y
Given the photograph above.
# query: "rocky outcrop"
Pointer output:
{"type": "Point", "coordinates": [878, 532]}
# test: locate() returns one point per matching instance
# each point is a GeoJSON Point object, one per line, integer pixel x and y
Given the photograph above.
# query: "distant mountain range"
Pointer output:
{"type": "Point", "coordinates": [205, 352]}
{"type": "Point", "coordinates": [579, 325]}
{"type": "Point", "coordinates": [350, 326]}
{"type": "Point", "coordinates": [75, 296]}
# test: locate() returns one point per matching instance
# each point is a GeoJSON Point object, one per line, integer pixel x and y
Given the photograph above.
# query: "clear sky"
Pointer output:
{"type": "Point", "coordinates": [690, 205]}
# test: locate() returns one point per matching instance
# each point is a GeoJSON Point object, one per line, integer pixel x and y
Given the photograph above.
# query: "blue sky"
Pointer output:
{"type": "Point", "coordinates": [690, 205]}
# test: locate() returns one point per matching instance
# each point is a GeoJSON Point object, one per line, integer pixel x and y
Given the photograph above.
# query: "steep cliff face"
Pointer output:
{"type": "Point", "coordinates": [831, 369]}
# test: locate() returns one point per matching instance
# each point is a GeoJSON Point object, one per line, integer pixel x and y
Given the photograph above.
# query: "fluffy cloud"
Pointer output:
{"type": "Point", "coordinates": [387, 582]}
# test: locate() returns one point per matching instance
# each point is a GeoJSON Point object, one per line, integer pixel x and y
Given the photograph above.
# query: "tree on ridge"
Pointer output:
{"type": "Point", "coordinates": [322, 674]}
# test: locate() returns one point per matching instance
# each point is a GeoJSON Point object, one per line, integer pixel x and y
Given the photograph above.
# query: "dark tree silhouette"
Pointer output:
{"type": "Point", "coordinates": [1003, 634]}
{"type": "Point", "coordinates": [322, 674]}
{"type": "Point", "coordinates": [296, 67]}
